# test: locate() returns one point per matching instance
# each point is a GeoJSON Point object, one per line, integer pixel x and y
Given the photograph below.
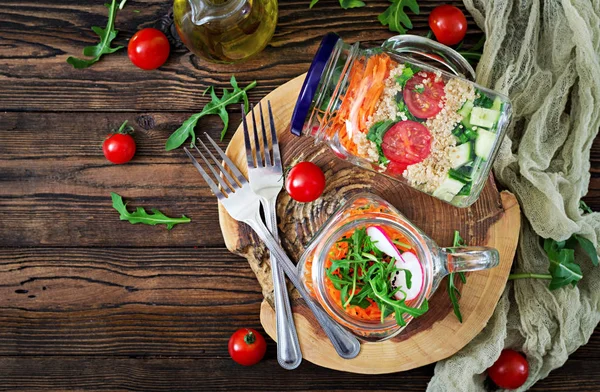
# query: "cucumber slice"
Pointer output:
{"type": "Point", "coordinates": [448, 189]}
{"type": "Point", "coordinates": [461, 155]}
{"type": "Point", "coordinates": [466, 108]}
{"type": "Point", "coordinates": [484, 143]}
{"type": "Point", "coordinates": [497, 104]}
{"type": "Point", "coordinates": [483, 117]}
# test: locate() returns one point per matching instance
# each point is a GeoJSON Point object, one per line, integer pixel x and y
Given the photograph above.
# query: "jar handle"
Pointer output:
{"type": "Point", "coordinates": [472, 258]}
{"type": "Point", "coordinates": [425, 47]}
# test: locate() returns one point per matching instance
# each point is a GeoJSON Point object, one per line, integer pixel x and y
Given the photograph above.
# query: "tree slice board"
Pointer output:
{"type": "Point", "coordinates": [494, 220]}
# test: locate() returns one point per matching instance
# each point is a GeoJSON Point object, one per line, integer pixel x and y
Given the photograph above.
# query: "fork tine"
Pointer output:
{"type": "Point", "coordinates": [259, 161]}
{"type": "Point", "coordinates": [236, 172]}
{"type": "Point", "coordinates": [234, 184]}
{"type": "Point", "coordinates": [264, 136]}
{"type": "Point", "coordinates": [214, 172]}
{"type": "Point", "coordinates": [215, 189]}
{"type": "Point", "coordinates": [248, 144]}
{"type": "Point", "coordinates": [274, 141]}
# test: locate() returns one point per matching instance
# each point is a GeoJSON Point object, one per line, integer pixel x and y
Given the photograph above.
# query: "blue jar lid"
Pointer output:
{"type": "Point", "coordinates": [313, 77]}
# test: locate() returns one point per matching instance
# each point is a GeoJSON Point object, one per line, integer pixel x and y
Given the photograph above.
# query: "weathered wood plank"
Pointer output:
{"type": "Point", "coordinates": [123, 301]}
{"type": "Point", "coordinates": [38, 36]}
{"type": "Point", "coordinates": [92, 373]}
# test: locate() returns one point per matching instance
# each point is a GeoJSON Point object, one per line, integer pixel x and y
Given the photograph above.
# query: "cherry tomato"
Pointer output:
{"type": "Point", "coordinates": [247, 346]}
{"type": "Point", "coordinates": [510, 371]}
{"type": "Point", "coordinates": [148, 48]}
{"type": "Point", "coordinates": [119, 148]}
{"type": "Point", "coordinates": [448, 24]}
{"type": "Point", "coordinates": [423, 95]}
{"type": "Point", "coordinates": [407, 142]}
{"type": "Point", "coordinates": [395, 168]}
{"type": "Point", "coordinates": [305, 182]}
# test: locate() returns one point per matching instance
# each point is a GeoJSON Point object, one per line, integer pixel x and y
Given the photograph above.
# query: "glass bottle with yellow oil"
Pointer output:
{"type": "Point", "coordinates": [225, 31]}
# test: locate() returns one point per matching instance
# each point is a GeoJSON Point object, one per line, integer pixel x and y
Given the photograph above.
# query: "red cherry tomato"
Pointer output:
{"type": "Point", "coordinates": [395, 168]}
{"type": "Point", "coordinates": [448, 24]}
{"type": "Point", "coordinates": [305, 182]}
{"type": "Point", "coordinates": [148, 49]}
{"type": "Point", "coordinates": [510, 371]}
{"type": "Point", "coordinates": [423, 95]}
{"type": "Point", "coordinates": [119, 148]}
{"type": "Point", "coordinates": [407, 142]}
{"type": "Point", "coordinates": [247, 346]}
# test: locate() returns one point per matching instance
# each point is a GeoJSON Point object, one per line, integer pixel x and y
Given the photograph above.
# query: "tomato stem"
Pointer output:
{"type": "Point", "coordinates": [249, 338]}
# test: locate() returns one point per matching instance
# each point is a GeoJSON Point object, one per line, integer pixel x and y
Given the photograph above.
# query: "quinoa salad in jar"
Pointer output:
{"type": "Point", "coordinates": [434, 131]}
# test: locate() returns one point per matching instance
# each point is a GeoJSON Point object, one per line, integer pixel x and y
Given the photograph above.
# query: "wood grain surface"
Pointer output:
{"type": "Point", "coordinates": [92, 303]}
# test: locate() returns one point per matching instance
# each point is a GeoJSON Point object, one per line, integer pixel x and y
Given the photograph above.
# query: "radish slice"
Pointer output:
{"type": "Point", "coordinates": [383, 242]}
{"type": "Point", "coordinates": [407, 260]}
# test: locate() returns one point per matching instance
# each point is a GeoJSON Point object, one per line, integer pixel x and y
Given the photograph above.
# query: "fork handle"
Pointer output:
{"type": "Point", "coordinates": [289, 355]}
{"type": "Point", "coordinates": [345, 344]}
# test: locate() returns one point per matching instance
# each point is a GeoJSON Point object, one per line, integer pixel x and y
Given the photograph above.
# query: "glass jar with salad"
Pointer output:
{"type": "Point", "coordinates": [373, 271]}
{"type": "Point", "coordinates": [384, 110]}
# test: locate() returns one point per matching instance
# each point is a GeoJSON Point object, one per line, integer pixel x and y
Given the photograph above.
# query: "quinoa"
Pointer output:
{"type": "Point", "coordinates": [428, 174]}
{"type": "Point", "coordinates": [387, 108]}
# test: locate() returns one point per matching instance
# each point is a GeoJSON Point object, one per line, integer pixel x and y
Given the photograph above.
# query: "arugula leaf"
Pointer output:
{"type": "Point", "coordinates": [345, 4]}
{"type": "Point", "coordinates": [406, 74]}
{"type": "Point", "coordinates": [351, 4]}
{"type": "Point", "coordinates": [107, 35]}
{"type": "Point", "coordinates": [588, 247]}
{"type": "Point", "coordinates": [141, 216]}
{"type": "Point", "coordinates": [215, 106]}
{"type": "Point", "coordinates": [453, 291]}
{"type": "Point", "coordinates": [563, 268]}
{"type": "Point", "coordinates": [375, 135]}
{"type": "Point", "coordinates": [395, 18]}
{"type": "Point", "coordinates": [584, 207]}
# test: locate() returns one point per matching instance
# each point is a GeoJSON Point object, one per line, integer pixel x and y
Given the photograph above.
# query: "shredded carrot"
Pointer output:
{"type": "Point", "coordinates": [365, 87]}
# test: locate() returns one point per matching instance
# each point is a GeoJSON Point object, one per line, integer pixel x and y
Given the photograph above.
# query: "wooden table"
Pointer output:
{"type": "Point", "coordinates": [88, 302]}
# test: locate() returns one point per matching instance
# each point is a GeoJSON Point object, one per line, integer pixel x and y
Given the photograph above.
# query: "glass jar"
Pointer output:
{"type": "Point", "coordinates": [365, 210]}
{"type": "Point", "coordinates": [384, 110]}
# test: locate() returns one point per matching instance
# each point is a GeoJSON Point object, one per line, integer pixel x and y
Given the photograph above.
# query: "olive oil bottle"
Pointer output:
{"type": "Point", "coordinates": [225, 31]}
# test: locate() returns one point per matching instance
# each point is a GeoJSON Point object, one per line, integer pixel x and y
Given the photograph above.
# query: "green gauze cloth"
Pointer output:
{"type": "Point", "coordinates": [545, 55]}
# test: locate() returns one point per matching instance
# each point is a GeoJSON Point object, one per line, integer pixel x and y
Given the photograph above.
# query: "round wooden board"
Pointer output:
{"type": "Point", "coordinates": [494, 220]}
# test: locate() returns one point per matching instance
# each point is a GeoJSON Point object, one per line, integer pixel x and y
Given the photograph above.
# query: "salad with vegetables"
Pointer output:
{"type": "Point", "coordinates": [372, 273]}
{"type": "Point", "coordinates": [414, 123]}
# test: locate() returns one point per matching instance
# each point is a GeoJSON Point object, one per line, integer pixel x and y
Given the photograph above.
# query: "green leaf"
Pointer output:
{"type": "Point", "coordinates": [345, 4]}
{"type": "Point", "coordinates": [312, 3]}
{"type": "Point", "coordinates": [453, 291]}
{"type": "Point", "coordinates": [141, 216]}
{"type": "Point", "coordinates": [588, 247]}
{"type": "Point", "coordinates": [216, 106]}
{"type": "Point", "coordinates": [563, 269]}
{"type": "Point", "coordinates": [395, 17]}
{"type": "Point", "coordinates": [406, 74]}
{"type": "Point", "coordinates": [454, 294]}
{"type": "Point", "coordinates": [584, 207]}
{"type": "Point", "coordinates": [107, 35]}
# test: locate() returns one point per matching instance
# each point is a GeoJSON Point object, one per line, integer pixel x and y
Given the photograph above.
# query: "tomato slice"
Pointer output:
{"type": "Point", "coordinates": [407, 142]}
{"type": "Point", "coordinates": [395, 168]}
{"type": "Point", "coordinates": [423, 95]}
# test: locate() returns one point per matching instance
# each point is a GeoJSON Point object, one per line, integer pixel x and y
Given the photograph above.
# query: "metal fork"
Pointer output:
{"type": "Point", "coordinates": [266, 180]}
{"type": "Point", "coordinates": [243, 205]}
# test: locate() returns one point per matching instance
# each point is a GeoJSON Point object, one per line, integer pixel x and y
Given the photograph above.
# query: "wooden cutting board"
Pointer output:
{"type": "Point", "coordinates": [494, 220]}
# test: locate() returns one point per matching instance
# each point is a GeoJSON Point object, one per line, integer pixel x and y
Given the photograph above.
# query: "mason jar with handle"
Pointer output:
{"type": "Point", "coordinates": [432, 264]}
{"type": "Point", "coordinates": [389, 110]}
